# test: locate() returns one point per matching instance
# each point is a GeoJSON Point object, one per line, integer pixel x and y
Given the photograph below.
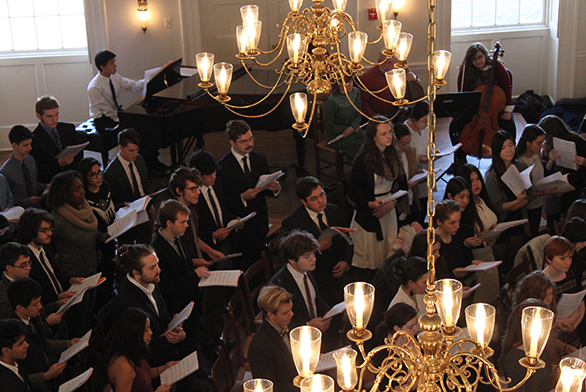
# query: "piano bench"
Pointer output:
{"type": "Point", "coordinates": [99, 141]}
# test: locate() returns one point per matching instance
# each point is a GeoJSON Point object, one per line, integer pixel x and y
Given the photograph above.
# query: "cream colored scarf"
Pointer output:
{"type": "Point", "coordinates": [84, 218]}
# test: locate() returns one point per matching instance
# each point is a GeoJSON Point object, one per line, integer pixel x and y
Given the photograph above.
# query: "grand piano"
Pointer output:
{"type": "Point", "coordinates": [175, 109]}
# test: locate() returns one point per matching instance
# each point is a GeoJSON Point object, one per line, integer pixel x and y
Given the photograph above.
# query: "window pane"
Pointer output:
{"type": "Point", "coordinates": [71, 7]}
{"type": "Point", "coordinates": [73, 32]}
{"type": "Point", "coordinates": [532, 11]}
{"type": "Point", "coordinates": [45, 7]}
{"type": "Point", "coordinates": [483, 13]}
{"type": "Point", "coordinates": [507, 12]}
{"type": "Point", "coordinates": [3, 9]}
{"type": "Point", "coordinates": [24, 34]}
{"type": "Point", "coordinates": [48, 32]}
{"type": "Point", "coordinates": [461, 13]}
{"type": "Point", "coordinates": [5, 35]}
{"type": "Point", "coordinates": [20, 7]}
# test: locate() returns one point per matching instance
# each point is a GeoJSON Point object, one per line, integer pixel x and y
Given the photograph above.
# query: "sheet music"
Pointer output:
{"type": "Point", "coordinates": [567, 150]}
{"type": "Point", "coordinates": [236, 222]}
{"type": "Point", "coordinates": [148, 75]}
{"type": "Point", "coordinates": [466, 293]}
{"type": "Point", "coordinates": [221, 278]}
{"type": "Point", "coordinates": [181, 317]}
{"type": "Point", "coordinates": [137, 205]}
{"type": "Point", "coordinates": [488, 265]}
{"type": "Point", "coordinates": [394, 196]}
{"type": "Point", "coordinates": [568, 303]}
{"type": "Point", "coordinates": [327, 361]}
{"type": "Point", "coordinates": [420, 176]}
{"type": "Point", "coordinates": [80, 289]}
{"type": "Point", "coordinates": [76, 348]}
{"type": "Point", "coordinates": [332, 231]}
{"type": "Point", "coordinates": [71, 150]}
{"type": "Point", "coordinates": [121, 226]}
{"type": "Point", "coordinates": [336, 309]}
{"type": "Point", "coordinates": [184, 368]}
{"type": "Point", "coordinates": [266, 179]}
{"type": "Point", "coordinates": [517, 182]}
{"type": "Point", "coordinates": [228, 257]}
{"type": "Point", "coordinates": [556, 179]}
{"type": "Point", "coordinates": [448, 151]}
{"type": "Point", "coordinates": [499, 228]}
{"type": "Point", "coordinates": [13, 214]}
{"type": "Point", "coordinates": [76, 382]}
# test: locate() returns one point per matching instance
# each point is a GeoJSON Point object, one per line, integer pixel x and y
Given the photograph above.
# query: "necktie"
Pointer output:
{"type": "Point", "coordinates": [247, 173]}
{"type": "Point", "coordinates": [320, 220]}
{"type": "Point", "coordinates": [56, 138]}
{"type": "Point", "coordinates": [214, 208]}
{"type": "Point", "coordinates": [179, 248]}
{"type": "Point", "coordinates": [54, 282]}
{"type": "Point", "coordinates": [309, 300]}
{"type": "Point", "coordinates": [134, 181]}
{"type": "Point", "coordinates": [27, 180]}
{"type": "Point", "coordinates": [114, 94]}
{"type": "Point", "coordinates": [284, 331]}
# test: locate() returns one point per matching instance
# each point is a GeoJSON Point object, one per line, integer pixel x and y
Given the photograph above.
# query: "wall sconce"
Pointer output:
{"type": "Point", "coordinates": [143, 14]}
{"type": "Point", "coordinates": [396, 7]}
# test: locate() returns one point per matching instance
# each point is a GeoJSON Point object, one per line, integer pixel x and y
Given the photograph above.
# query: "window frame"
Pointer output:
{"type": "Point", "coordinates": [503, 27]}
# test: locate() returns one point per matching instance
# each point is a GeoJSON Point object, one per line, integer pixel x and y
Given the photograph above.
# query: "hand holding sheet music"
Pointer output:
{"type": "Point", "coordinates": [394, 196]}
{"type": "Point", "coordinates": [69, 150]}
{"type": "Point", "coordinates": [568, 304]}
{"type": "Point", "coordinates": [517, 182]}
{"type": "Point", "coordinates": [221, 278]}
{"type": "Point", "coordinates": [76, 382]}
{"type": "Point", "coordinates": [557, 180]}
{"type": "Point", "coordinates": [448, 151]}
{"type": "Point", "coordinates": [336, 309]}
{"type": "Point", "coordinates": [266, 179]}
{"type": "Point", "coordinates": [181, 317]}
{"type": "Point", "coordinates": [188, 365]}
{"type": "Point", "coordinates": [237, 222]}
{"type": "Point", "coordinates": [76, 348]}
{"type": "Point", "coordinates": [567, 152]}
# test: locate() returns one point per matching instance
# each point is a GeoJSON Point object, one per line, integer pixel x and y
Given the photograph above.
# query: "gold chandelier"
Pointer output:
{"type": "Point", "coordinates": [437, 360]}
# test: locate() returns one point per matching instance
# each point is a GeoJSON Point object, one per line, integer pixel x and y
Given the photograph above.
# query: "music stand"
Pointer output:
{"type": "Point", "coordinates": [456, 105]}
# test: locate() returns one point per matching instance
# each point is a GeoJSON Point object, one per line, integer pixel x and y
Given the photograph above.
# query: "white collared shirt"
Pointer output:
{"type": "Point", "coordinates": [14, 369]}
{"type": "Point", "coordinates": [125, 163]}
{"type": "Point", "coordinates": [298, 276]}
{"type": "Point", "coordinates": [100, 95]}
{"type": "Point", "coordinates": [148, 290]}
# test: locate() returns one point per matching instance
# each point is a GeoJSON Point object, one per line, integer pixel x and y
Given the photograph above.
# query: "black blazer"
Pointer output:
{"type": "Point", "coordinates": [44, 150]}
{"type": "Point", "coordinates": [284, 279]}
{"type": "Point", "coordinates": [129, 295]}
{"type": "Point", "coordinates": [207, 224]}
{"type": "Point", "coordinates": [120, 186]}
{"type": "Point", "coordinates": [325, 261]}
{"type": "Point", "coordinates": [11, 382]}
{"type": "Point", "coordinates": [270, 358]}
{"type": "Point", "coordinates": [179, 282]}
{"type": "Point", "coordinates": [38, 273]}
{"type": "Point", "coordinates": [234, 183]}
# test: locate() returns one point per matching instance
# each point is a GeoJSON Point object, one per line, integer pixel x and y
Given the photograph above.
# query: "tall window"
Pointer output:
{"type": "Point", "coordinates": [41, 26]}
{"type": "Point", "coordinates": [467, 14]}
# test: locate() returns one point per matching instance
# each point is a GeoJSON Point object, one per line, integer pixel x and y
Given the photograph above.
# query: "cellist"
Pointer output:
{"type": "Point", "coordinates": [474, 72]}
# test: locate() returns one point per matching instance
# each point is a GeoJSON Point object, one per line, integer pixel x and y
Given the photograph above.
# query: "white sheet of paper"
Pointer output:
{"type": "Point", "coordinates": [336, 309]}
{"type": "Point", "coordinates": [449, 151]}
{"type": "Point", "coordinates": [76, 348]}
{"type": "Point", "coordinates": [86, 284]}
{"type": "Point", "coordinates": [568, 303]}
{"type": "Point", "coordinates": [138, 205]}
{"type": "Point", "coordinates": [567, 150]}
{"type": "Point", "coordinates": [13, 214]}
{"type": "Point", "coordinates": [121, 226]}
{"type": "Point", "coordinates": [76, 382]}
{"type": "Point", "coordinates": [327, 361]}
{"type": "Point", "coordinates": [480, 267]}
{"type": "Point", "coordinates": [266, 179]}
{"type": "Point", "coordinates": [394, 196]}
{"type": "Point", "coordinates": [420, 176]}
{"type": "Point", "coordinates": [332, 231]}
{"type": "Point", "coordinates": [503, 227]}
{"type": "Point", "coordinates": [181, 317]}
{"type": "Point", "coordinates": [71, 150]}
{"type": "Point", "coordinates": [517, 182]}
{"type": "Point", "coordinates": [148, 75]}
{"type": "Point", "coordinates": [221, 278]}
{"type": "Point", "coordinates": [235, 222]}
{"type": "Point", "coordinates": [466, 293]}
{"type": "Point", "coordinates": [184, 368]}
{"type": "Point", "coordinates": [556, 179]}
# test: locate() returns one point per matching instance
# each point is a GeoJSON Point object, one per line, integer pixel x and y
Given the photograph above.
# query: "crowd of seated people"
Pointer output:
{"type": "Point", "coordinates": [154, 270]}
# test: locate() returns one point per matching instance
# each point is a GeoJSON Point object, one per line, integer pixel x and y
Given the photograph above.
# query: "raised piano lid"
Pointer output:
{"type": "Point", "coordinates": [165, 78]}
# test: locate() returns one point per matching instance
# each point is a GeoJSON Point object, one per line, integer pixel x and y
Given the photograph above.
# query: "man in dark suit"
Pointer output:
{"type": "Point", "coordinates": [49, 138]}
{"type": "Point", "coordinates": [269, 354]}
{"type": "Point", "coordinates": [140, 289]}
{"type": "Point", "coordinates": [127, 174]}
{"type": "Point", "coordinates": [179, 277]}
{"type": "Point", "coordinates": [334, 254]}
{"type": "Point", "coordinates": [298, 248]}
{"type": "Point", "coordinates": [239, 172]}
{"type": "Point", "coordinates": [13, 348]}
{"type": "Point", "coordinates": [16, 264]}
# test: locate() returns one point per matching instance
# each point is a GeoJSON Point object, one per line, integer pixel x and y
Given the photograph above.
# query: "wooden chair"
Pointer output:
{"type": "Point", "coordinates": [234, 346]}
{"type": "Point", "coordinates": [257, 276]}
{"type": "Point", "coordinates": [104, 323]}
{"type": "Point", "coordinates": [220, 377]}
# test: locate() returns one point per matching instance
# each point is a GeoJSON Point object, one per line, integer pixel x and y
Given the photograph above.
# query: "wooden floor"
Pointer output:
{"type": "Point", "coordinates": [279, 147]}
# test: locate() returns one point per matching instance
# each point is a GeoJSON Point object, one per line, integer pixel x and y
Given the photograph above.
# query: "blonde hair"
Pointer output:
{"type": "Point", "coordinates": [271, 297]}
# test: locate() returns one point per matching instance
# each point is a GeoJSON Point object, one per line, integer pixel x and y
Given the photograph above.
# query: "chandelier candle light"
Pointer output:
{"type": "Point", "coordinates": [258, 385]}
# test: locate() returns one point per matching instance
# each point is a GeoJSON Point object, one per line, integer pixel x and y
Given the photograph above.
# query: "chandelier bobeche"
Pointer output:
{"type": "Point", "coordinates": [438, 359]}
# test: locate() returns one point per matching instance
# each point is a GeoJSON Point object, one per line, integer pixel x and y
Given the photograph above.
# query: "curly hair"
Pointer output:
{"type": "Point", "coordinates": [61, 186]}
{"type": "Point", "coordinates": [374, 161]}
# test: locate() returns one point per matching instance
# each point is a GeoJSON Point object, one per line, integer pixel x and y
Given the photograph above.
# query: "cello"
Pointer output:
{"type": "Point", "coordinates": [476, 136]}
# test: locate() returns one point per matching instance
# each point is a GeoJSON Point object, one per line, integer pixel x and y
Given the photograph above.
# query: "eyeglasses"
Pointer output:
{"type": "Point", "coordinates": [191, 189]}
{"type": "Point", "coordinates": [246, 141]}
{"type": "Point", "coordinates": [95, 174]}
{"type": "Point", "coordinates": [23, 266]}
{"type": "Point", "coordinates": [45, 230]}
